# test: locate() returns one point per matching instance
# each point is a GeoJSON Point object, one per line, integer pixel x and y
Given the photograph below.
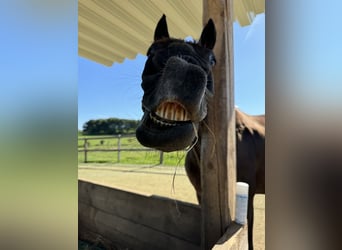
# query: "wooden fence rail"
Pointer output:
{"type": "Point", "coordinates": [85, 147]}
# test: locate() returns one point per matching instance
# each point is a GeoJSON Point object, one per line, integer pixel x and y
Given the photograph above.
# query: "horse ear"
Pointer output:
{"type": "Point", "coordinates": [208, 36]}
{"type": "Point", "coordinates": [161, 30]}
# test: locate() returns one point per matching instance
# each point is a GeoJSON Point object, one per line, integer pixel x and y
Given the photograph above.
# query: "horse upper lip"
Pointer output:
{"type": "Point", "coordinates": [172, 111]}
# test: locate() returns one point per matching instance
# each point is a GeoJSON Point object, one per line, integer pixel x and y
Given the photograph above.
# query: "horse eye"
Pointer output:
{"type": "Point", "coordinates": [212, 60]}
{"type": "Point", "coordinates": [150, 52]}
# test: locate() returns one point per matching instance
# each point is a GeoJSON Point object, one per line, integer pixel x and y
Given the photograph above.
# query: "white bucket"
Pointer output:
{"type": "Point", "coordinates": [241, 203]}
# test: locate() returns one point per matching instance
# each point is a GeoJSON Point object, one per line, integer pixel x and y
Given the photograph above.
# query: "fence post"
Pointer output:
{"type": "Point", "coordinates": [119, 144]}
{"type": "Point", "coordinates": [161, 158]}
{"type": "Point", "coordinates": [85, 150]}
{"type": "Point", "coordinates": [218, 169]}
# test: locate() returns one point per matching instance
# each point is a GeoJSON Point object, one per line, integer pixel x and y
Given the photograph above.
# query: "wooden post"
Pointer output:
{"type": "Point", "coordinates": [85, 145]}
{"type": "Point", "coordinates": [218, 169]}
{"type": "Point", "coordinates": [119, 145]}
{"type": "Point", "coordinates": [161, 157]}
{"type": "Point", "coordinates": [85, 150]}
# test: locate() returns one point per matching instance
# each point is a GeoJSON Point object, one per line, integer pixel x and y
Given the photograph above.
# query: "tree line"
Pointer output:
{"type": "Point", "coordinates": [110, 126]}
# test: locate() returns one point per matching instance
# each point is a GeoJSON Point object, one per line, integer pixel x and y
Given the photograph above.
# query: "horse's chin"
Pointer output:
{"type": "Point", "coordinates": [163, 136]}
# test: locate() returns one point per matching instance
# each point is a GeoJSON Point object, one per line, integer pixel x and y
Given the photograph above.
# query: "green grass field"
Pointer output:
{"type": "Point", "coordinates": [126, 157]}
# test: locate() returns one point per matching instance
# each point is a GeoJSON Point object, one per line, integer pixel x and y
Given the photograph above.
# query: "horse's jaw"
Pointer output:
{"type": "Point", "coordinates": [164, 135]}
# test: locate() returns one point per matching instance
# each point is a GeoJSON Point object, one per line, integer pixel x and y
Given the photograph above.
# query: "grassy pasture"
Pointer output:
{"type": "Point", "coordinates": [126, 157]}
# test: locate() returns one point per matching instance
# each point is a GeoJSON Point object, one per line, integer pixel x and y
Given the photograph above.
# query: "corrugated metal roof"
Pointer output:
{"type": "Point", "coordinates": [112, 30]}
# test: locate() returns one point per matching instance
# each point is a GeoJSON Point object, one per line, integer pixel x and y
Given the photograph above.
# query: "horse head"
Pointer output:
{"type": "Point", "coordinates": [177, 82]}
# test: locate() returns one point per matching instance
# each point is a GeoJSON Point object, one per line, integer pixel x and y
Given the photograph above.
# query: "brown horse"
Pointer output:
{"type": "Point", "coordinates": [177, 82]}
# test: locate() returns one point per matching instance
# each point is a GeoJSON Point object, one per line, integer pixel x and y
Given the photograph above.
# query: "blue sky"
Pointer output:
{"type": "Point", "coordinates": [115, 91]}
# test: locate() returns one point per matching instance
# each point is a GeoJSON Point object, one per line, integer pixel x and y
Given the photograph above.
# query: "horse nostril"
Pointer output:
{"type": "Point", "coordinates": [172, 111]}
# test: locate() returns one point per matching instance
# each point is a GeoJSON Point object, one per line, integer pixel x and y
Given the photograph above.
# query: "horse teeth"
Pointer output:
{"type": "Point", "coordinates": [163, 111]}
{"type": "Point", "coordinates": [168, 111]}
{"type": "Point", "coordinates": [172, 112]}
{"type": "Point", "coordinates": [183, 112]}
{"type": "Point", "coordinates": [180, 114]}
{"type": "Point", "coordinates": [186, 116]}
{"type": "Point", "coordinates": [177, 115]}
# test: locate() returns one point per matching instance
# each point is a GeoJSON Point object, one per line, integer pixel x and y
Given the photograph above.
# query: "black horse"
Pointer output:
{"type": "Point", "coordinates": [177, 82]}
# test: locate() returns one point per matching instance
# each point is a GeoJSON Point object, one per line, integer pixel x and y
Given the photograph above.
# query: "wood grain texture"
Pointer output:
{"type": "Point", "coordinates": [235, 238]}
{"type": "Point", "coordinates": [137, 221]}
{"type": "Point", "coordinates": [218, 167]}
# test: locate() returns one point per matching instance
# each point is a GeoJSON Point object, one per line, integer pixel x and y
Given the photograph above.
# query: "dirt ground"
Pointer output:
{"type": "Point", "coordinates": [162, 180]}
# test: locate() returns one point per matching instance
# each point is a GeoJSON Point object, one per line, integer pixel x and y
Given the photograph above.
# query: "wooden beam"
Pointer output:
{"type": "Point", "coordinates": [136, 221]}
{"type": "Point", "coordinates": [218, 167]}
{"type": "Point", "coordinates": [235, 238]}
{"type": "Point", "coordinates": [127, 232]}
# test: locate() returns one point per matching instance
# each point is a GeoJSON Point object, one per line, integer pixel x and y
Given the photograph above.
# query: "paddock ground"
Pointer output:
{"type": "Point", "coordinates": [170, 182]}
